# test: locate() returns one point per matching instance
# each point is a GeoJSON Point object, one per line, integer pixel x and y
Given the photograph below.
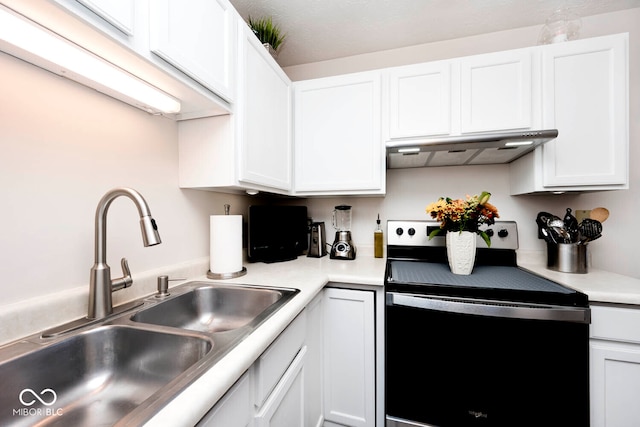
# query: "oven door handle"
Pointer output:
{"type": "Point", "coordinates": [491, 308]}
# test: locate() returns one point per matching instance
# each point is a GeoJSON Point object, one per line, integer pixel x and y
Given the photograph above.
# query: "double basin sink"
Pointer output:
{"type": "Point", "coordinates": [123, 370]}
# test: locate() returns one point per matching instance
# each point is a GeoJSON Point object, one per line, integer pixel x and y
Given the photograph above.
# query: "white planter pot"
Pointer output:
{"type": "Point", "coordinates": [461, 251]}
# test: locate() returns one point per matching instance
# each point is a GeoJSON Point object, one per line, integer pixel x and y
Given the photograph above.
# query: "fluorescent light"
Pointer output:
{"type": "Point", "coordinates": [409, 150]}
{"type": "Point", "coordinates": [35, 44]}
{"type": "Point", "coordinates": [517, 143]}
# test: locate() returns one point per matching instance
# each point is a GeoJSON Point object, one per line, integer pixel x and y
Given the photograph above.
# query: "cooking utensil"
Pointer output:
{"type": "Point", "coordinates": [558, 230]}
{"type": "Point", "coordinates": [547, 236]}
{"type": "Point", "coordinates": [589, 229]}
{"type": "Point", "coordinates": [571, 224]}
{"type": "Point", "coordinates": [541, 220]}
{"type": "Point", "coordinates": [599, 214]}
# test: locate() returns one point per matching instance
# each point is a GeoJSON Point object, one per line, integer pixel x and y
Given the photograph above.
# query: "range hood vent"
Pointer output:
{"type": "Point", "coordinates": [470, 149]}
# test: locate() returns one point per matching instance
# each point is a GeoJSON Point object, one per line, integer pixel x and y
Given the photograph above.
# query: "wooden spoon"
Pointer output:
{"type": "Point", "coordinates": [599, 214]}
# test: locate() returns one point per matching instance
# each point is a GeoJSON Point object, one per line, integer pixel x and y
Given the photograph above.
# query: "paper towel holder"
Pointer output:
{"type": "Point", "coordinates": [232, 275]}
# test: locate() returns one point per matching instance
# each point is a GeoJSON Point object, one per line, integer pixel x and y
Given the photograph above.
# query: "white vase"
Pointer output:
{"type": "Point", "coordinates": [461, 251]}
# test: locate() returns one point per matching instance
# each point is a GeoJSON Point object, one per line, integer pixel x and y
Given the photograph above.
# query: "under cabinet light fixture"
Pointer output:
{"type": "Point", "coordinates": [35, 44]}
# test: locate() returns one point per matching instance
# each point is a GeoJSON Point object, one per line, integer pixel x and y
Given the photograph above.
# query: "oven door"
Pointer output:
{"type": "Point", "coordinates": [456, 363]}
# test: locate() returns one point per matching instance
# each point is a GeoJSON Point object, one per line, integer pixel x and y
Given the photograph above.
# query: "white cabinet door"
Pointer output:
{"type": "Point", "coordinates": [615, 384]}
{"type": "Point", "coordinates": [614, 366]}
{"type": "Point", "coordinates": [198, 40]}
{"type": "Point", "coordinates": [419, 100]}
{"type": "Point", "coordinates": [349, 357]}
{"type": "Point", "coordinates": [234, 409]}
{"type": "Point", "coordinates": [263, 119]}
{"type": "Point", "coordinates": [120, 14]}
{"type": "Point", "coordinates": [285, 405]}
{"type": "Point", "coordinates": [338, 141]}
{"type": "Point", "coordinates": [313, 364]}
{"type": "Point", "coordinates": [585, 90]}
{"type": "Point", "coordinates": [496, 91]}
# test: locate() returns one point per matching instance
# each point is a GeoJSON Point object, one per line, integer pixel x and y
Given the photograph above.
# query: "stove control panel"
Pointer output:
{"type": "Point", "coordinates": [503, 234]}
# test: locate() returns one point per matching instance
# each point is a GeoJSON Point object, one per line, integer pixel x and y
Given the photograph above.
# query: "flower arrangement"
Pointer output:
{"type": "Point", "coordinates": [463, 215]}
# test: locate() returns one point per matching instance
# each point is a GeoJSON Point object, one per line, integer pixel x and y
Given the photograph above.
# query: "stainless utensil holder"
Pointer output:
{"type": "Point", "coordinates": [567, 257]}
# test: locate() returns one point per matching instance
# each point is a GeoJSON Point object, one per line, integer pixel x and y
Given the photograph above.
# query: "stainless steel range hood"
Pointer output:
{"type": "Point", "coordinates": [470, 149]}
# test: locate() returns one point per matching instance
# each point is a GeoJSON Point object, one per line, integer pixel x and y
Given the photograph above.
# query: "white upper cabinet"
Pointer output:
{"type": "Point", "coordinates": [263, 116]}
{"type": "Point", "coordinates": [185, 52]}
{"type": "Point", "coordinates": [585, 92]}
{"type": "Point", "coordinates": [338, 139]}
{"type": "Point", "coordinates": [466, 95]}
{"type": "Point", "coordinates": [197, 39]}
{"type": "Point", "coordinates": [250, 149]}
{"type": "Point", "coordinates": [585, 96]}
{"type": "Point", "coordinates": [419, 100]}
{"type": "Point", "coordinates": [495, 91]}
{"type": "Point", "coordinates": [120, 14]}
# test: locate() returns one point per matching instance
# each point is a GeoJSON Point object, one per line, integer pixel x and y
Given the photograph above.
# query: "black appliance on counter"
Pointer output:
{"type": "Point", "coordinates": [276, 233]}
{"type": "Point", "coordinates": [500, 347]}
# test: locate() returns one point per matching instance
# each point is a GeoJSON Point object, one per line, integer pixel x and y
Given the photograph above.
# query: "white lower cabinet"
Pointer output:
{"type": "Point", "coordinates": [271, 392]}
{"type": "Point", "coordinates": [615, 366]}
{"type": "Point", "coordinates": [314, 416]}
{"type": "Point", "coordinates": [320, 371]}
{"type": "Point", "coordinates": [234, 409]}
{"type": "Point", "coordinates": [349, 357]}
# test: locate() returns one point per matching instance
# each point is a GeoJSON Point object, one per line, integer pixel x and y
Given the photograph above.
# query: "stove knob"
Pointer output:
{"type": "Point", "coordinates": [399, 231]}
{"type": "Point", "coordinates": [489, 232]}
{"type": "Point", "coordinates": [503, 233]}
{"type": "Point", "coordinates": [412, 231]}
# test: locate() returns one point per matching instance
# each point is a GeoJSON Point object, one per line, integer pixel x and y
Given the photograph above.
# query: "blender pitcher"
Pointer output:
{"type": "Point", "coordinates": [343, 247]}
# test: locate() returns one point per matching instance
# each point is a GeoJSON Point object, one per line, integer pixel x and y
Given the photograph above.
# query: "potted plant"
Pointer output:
{"type": "Point", "coordinates": [268, 33]}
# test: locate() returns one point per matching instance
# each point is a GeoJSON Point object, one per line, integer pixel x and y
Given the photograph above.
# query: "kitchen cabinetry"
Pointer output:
{"type": "Point", "coordinates": [615, 366]}
{"type": "Point", "coordinates": [198, 40]}
{"type": "Point", "coordinates": [120, 14]}
{"type": "Point", "coordinates": [585, 96]}
{"type": "Point", "coordinates": [349, 357]}
{"type": "Point", "coordinates": [314, 416]}
{"type": "Point", "coordinates": [263, 116]}
{"type": "Point", "coordinates": [338, 140]}
{"type": "Point", "coordinates": [271, 392]}
{"type": "Point", "coordinates": [234, 409]}
{"type": "Point", "coordinates": [251, 148]}
{"type": "Point", "coordinates": [496, 91]}
{"type": "Point", "coordinates": [466, 95]}
{"type": "Point", "coordinates": [419, 100]}
{"type": "Point", "coordinates": [120, 32]}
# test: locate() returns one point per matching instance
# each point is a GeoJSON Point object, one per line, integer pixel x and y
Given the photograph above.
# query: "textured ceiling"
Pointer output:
{"type": "Point", "coordinates": [318, 30]}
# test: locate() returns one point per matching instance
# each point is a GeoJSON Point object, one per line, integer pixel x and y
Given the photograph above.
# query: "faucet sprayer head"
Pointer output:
{"type": "Point", "coordinates": [150, 235]}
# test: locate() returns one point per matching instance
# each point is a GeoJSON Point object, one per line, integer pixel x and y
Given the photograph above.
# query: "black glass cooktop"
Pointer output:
{"type": "Point", "coordinates": [506, 283]}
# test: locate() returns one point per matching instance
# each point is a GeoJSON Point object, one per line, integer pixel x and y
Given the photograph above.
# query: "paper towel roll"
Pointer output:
{"type": "Point", "coordinates": [225, 255]}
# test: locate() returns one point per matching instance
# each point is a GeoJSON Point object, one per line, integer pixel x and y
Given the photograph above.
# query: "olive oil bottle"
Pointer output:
{"type": "Point", "coordinates": [377, 240]}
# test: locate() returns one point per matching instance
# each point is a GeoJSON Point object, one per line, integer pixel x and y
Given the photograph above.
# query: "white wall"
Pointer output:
{"type": "Point", "coordinates": [410, 190]}
{"type": "Point", "coordinates": [62, 146]}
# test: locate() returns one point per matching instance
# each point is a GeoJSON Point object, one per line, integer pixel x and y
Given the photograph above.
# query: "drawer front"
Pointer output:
{"type": "Point", "coordinates": [273, 363]}
{"type": "Point", "coordinates": [615, 323]}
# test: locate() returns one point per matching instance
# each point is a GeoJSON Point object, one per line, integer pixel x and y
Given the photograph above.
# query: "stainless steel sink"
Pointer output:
{"type": "Point", "coordinates": [93, 378]}
{"type": "Point", "coordinates": [125, 368]}
{"type": "Point", "coordinates": [215, 308]}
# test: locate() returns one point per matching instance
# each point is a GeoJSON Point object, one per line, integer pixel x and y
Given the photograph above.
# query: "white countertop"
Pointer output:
{"type": "Point", "coordinates": [599, 285]}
